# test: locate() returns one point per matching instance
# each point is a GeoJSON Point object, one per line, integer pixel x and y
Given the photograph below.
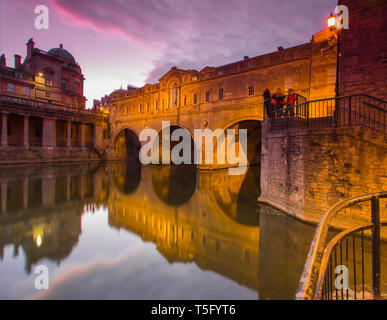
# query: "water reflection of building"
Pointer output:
{"type": "Point", "coordinates": [185, 219]}
{"type": "Point", "coordinates": [41, 208]}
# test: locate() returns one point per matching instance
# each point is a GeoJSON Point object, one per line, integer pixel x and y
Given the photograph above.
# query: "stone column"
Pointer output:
{"type": "Point", "coordinates": [26, 133]}
{"type": "Point", "coordinates": [48, 188]}
{"type": "Point", "coordinates": [49, 133]}
{"type": "Point", "coordinates": [68, 188]}
{"type": "Point", "coordinates": [82, 187]}
{"type": "Point", "coordinates": [82, 135]}
{"type": "Point", "coordinates": [68, 134]}
{"type": "Point", "coordinates": [25, 193]}
{"type": "Point", "coordinates": [4, 186]}
{"type": "Point", "coordinates": [4, 130]}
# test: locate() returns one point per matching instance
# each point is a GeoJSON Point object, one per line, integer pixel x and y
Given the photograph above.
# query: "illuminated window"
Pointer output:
{"type": "Point", "coordinates": [169, 99]}
{"type": "Point", "coordinates": [11, 87]}
{"type": "Point", "coordinates": [174, 96]}
{"type": "Point", "coordinates": [221, 94]}
{"type": "Point", "coordinates": [48, 78]}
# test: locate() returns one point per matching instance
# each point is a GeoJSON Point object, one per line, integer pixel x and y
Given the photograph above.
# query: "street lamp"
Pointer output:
{"type": "Point", "coordinates": [331, 21]}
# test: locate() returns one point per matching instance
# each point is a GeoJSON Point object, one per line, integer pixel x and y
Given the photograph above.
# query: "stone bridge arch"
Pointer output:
{"type": "Point", "coordinates": [125, 144]}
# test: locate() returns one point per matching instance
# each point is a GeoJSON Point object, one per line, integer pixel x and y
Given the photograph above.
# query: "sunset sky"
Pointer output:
{"type": "Point", "coordinates": [121, 42]}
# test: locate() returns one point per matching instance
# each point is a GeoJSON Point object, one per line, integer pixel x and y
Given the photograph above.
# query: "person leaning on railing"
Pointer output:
{"type": "Point", "coordinates": [267, 102]}
{"type": "Point", "coordinates": [291, 100]}
{"type": "Point", "coordinates": [280, 102]}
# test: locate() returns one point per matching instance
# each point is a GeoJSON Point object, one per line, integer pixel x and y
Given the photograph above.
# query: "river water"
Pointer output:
{"type": "Point", "coordinates": [121, 231]}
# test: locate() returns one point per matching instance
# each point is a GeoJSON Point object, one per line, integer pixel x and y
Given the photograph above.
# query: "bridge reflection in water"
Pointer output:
{"type": "Point", "coordinates": [207, 218]}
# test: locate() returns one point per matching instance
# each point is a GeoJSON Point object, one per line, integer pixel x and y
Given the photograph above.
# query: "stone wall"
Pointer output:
{"type": "Point", "coordinates": [305, 171]}
{"type": "Point", "coordinates": [363, 65]}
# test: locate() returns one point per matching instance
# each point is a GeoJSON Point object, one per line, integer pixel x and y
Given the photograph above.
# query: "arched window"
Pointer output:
{"type": "Point", "coordinates": [174, 96]}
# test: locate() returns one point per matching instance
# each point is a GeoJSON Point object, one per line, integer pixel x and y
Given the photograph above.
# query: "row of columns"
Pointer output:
{"type": "Point", "coordinates": [48, 132]}
{"type": "Point", "coordinates": [48, 191]}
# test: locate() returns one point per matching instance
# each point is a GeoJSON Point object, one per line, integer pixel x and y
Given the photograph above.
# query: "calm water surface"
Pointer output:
{"type": "Point", "coordinates": [122, 231]}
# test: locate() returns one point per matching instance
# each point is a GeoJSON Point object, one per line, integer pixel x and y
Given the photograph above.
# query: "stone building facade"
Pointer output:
{"type": "Point", "coordinates": [221, 97]}
{"type": "Point", "coordinates": [43, 111]}
{"type": "Point", "coordinates": [52, 76]}
{"type": "Point", "coordinates": [309, 68]}
{"type": "Point", "coordinates": [363, 65]}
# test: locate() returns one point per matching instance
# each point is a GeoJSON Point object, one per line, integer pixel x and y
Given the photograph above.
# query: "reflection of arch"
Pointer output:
{"type": "Point", "coordinates": [126, 145]}
{"type": "Point", "coordinates": [237, 196]}
{"type": "Point", "coordinates": [174, 185]}
{"type": "Point", "coordinates": [127, 176]}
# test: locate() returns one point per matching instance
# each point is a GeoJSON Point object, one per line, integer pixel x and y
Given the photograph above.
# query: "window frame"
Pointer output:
{"type": "Point", "coordinates": [10, 85]}
{"type": "Point", "coordinates": [221, 94]}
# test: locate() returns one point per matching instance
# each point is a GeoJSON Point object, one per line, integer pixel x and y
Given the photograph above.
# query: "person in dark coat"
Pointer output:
{"type": "Point", "coordinates": [267, 102]}
{"type": "Point", "coordinates": [280, 98]}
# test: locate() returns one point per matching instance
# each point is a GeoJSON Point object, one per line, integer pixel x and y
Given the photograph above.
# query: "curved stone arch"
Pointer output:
{"type": "Point", "coordinates": [177, 124]}
{"type": "Point", "coordinates": [120, 129]}
{"type": "Point", "coordinates": [241, 119]}
{"type": "Point", "coordinates": [253, 154]}
{"type": "Point", "coordinates": [173, 80]}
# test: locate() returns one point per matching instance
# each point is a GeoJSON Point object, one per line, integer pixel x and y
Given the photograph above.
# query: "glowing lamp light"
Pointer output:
{"type": "Point", "coordinates": [331, 21]}
{"type": "Point", "coordinates": [40, 74]}
{"type": "Point", "coordinates": [38, 241]}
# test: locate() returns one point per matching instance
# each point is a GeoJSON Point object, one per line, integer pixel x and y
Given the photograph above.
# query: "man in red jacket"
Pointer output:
{"type": "Point", "coordinates": [291, 100]}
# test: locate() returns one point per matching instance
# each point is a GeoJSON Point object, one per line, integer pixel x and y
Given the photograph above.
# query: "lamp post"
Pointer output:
{"type": "Point", "coordinates": [331, 22]}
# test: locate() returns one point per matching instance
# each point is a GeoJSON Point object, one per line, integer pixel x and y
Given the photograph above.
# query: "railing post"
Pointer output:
{"type": "Point", "coordinates": [350, 111]}
{"type": "Point", "coordinates": [375, 211]}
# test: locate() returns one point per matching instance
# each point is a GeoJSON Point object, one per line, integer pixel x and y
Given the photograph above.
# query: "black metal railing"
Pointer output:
{"type": "Point", "coordinates": [354, 110]}
{"type": "Point", "coordinates": [279, 106]}
{"type": "Point", "coordinates": [320, 274]}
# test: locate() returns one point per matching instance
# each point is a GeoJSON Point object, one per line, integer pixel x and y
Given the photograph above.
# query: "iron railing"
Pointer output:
{"type": "Point", "coordinates": [318, 278]}
{"type": "Point", "coordinates": [354, 110]}
{"type": "Point", "coordinates": [278, 111]}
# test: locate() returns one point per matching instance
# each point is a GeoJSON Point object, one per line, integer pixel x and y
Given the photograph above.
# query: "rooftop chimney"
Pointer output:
{"type": "Point", "coordinates": [60, 45]}
{"type": "Point", "coordinates": [280, 48]}
{"type": "Point", "coordinates": [18, 64]}
{"type": "Point", "coordinates": [3, 63]}
{"type": "Point", "coordinates": [30, 47]}
{"type": "Point", "coordinates": [246, 58]}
